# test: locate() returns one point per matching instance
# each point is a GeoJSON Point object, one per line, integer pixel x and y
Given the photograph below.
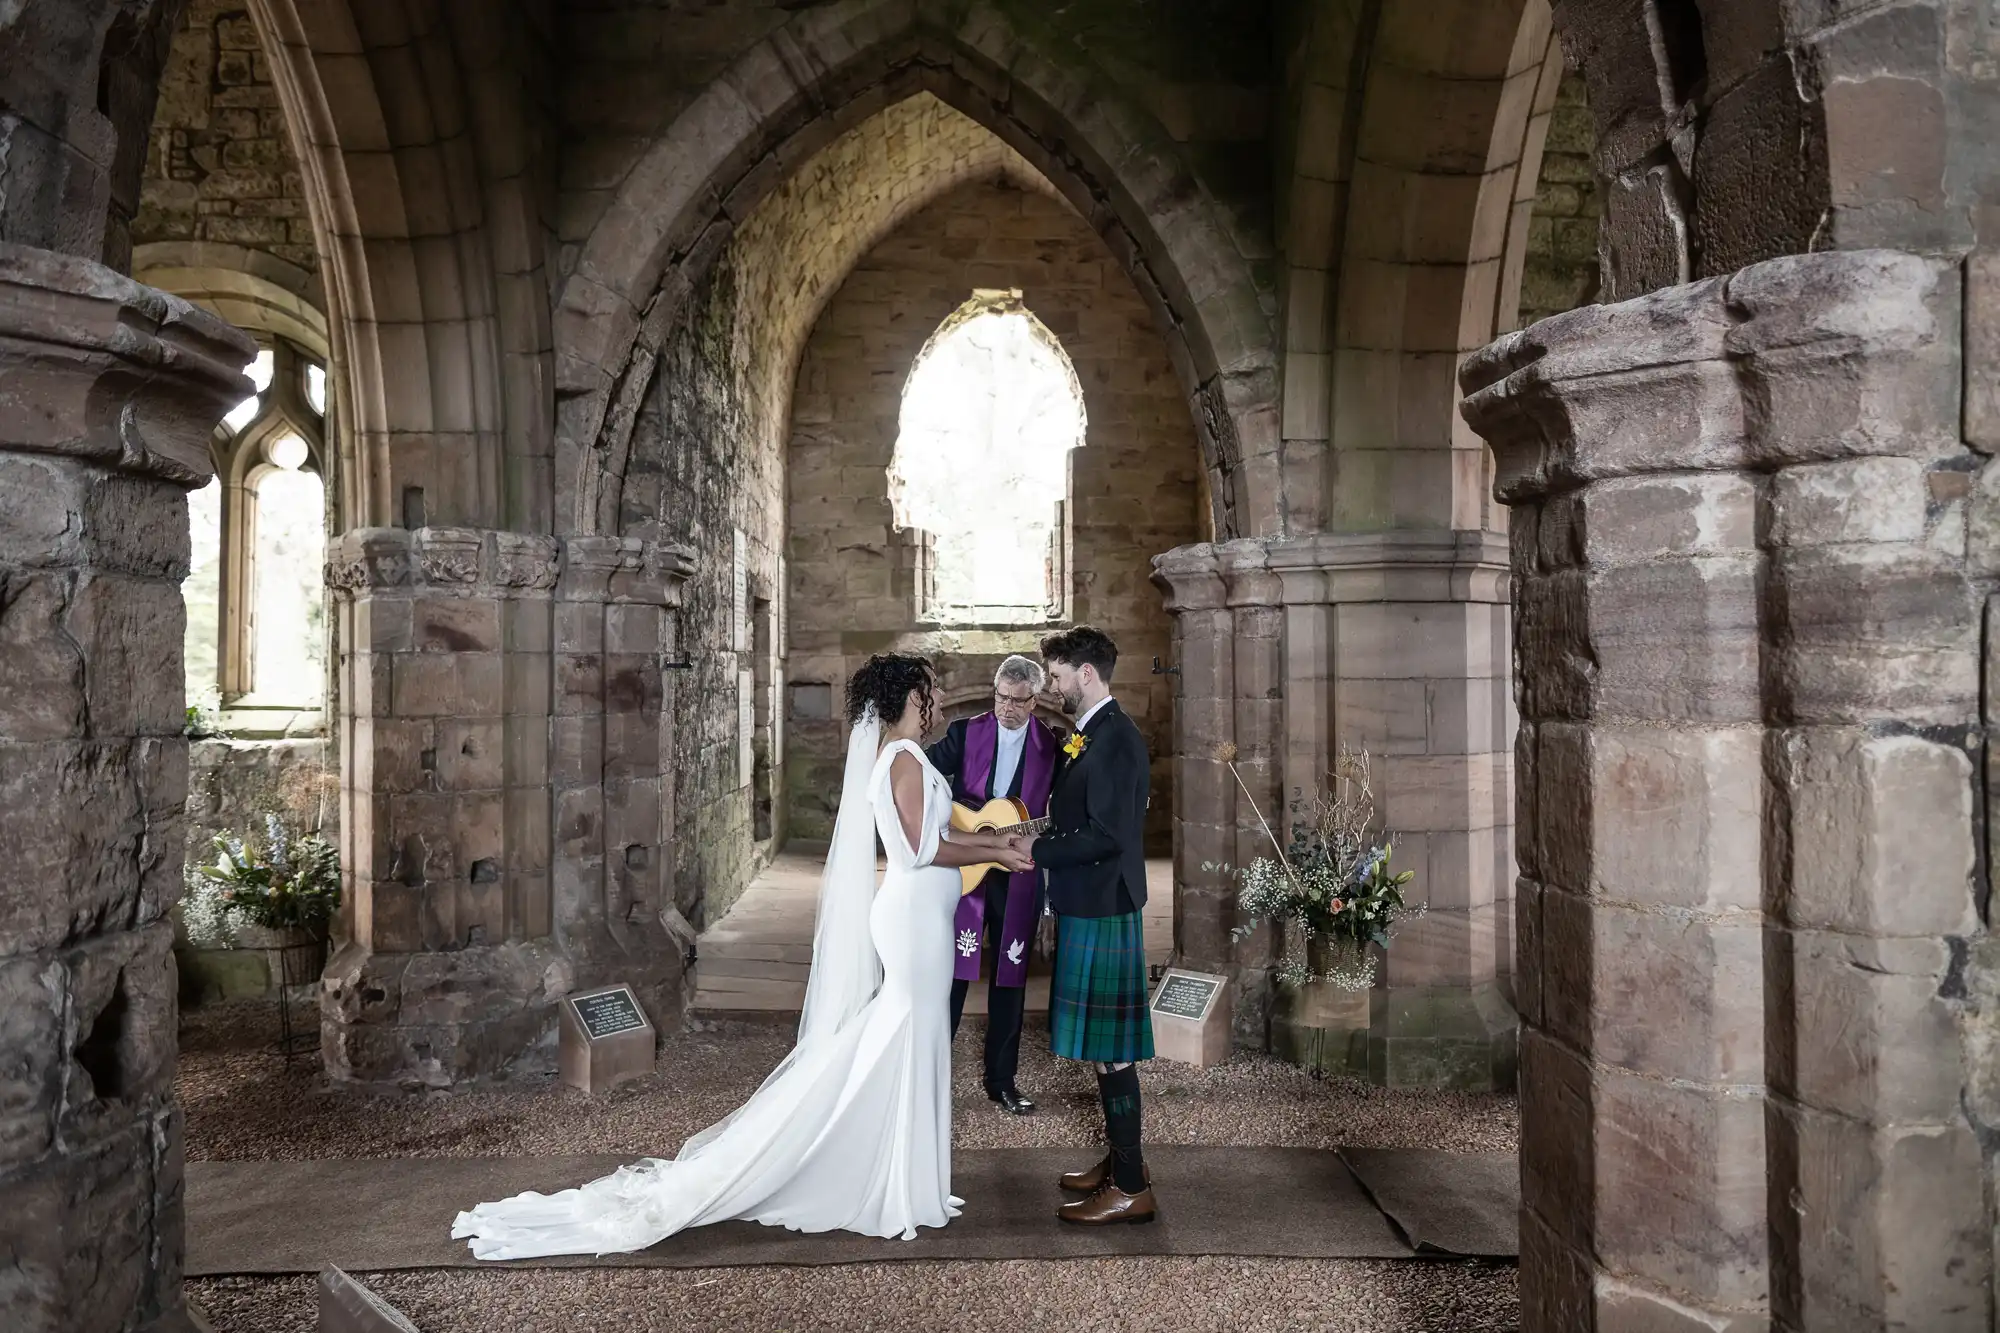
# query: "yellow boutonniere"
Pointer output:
{"type": "Point", "coordinates": [1073, 747]}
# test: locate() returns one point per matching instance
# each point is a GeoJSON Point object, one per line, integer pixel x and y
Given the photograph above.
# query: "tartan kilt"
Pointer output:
{"type": "Point", "coordinates": [1099, 1002]}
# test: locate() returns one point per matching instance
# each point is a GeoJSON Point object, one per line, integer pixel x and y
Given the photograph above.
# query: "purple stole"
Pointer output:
{"type": "Point", "coordinates": [1017, 926]}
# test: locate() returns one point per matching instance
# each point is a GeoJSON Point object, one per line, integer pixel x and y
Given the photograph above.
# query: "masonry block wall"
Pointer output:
{"type": "Point", "coordinates": [107, 395]}
{"type": "Point", "coordinates": [1201, 66]}
{"type": "Point", "coordinates": [1750, 710]}
{"type": "Point", "coordinates": [1560, 270]}
{"type": "Point", "coordinates": [703, 474]}
{"type": "Point", "coordinates": [219, 163]}
{"type": "Point", "coordinates": [1133, 487]}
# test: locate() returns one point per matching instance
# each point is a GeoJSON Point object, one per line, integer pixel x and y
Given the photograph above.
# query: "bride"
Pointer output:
{"type": "Point", "coordinates": [852, 1130]}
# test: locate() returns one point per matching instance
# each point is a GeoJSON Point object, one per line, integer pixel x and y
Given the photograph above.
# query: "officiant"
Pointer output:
{"type": "Point", "coordinates": [1005, 752]}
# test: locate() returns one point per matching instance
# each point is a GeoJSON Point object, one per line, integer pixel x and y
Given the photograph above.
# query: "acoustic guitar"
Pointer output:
{"type": "Point", "coordinates": [1002, 814]}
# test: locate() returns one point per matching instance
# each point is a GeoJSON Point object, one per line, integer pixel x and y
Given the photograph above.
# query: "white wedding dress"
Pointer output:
{"type": "Point", "coordinates": [852, 1131]}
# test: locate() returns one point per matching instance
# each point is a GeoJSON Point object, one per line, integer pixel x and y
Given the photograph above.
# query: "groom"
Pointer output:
{"type": "Point", "coordinates": [1002, 753]}
{"type": "Point", "coordinates": [1096, 862]}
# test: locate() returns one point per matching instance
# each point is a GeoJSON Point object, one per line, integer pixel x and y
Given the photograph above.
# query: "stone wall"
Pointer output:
{"type": "Point", "coordinates": [233, 784]}
{"type": "Point", "coordinates": [112, 390]}
{"type": "Point", "coordinates": [1134, 489]}
{"type": "Point", "coordinates": [219, 164]}
{"type": "Point", "coordinates": [705, 460]}
{"type": "Point", "coordinates": [1200, 67]}
{"type": "Point", "coordinates": [700, 474]}
{"type": "Point", "coordinates": [1560, 271]}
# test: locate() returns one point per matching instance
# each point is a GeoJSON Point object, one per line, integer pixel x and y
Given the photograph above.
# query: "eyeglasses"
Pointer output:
{"type": "Point", "coordinates": [1013, 700]}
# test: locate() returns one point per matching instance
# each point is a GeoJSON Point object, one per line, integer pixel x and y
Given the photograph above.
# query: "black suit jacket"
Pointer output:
{"type": "Point", "coordinates": [1095, 851]}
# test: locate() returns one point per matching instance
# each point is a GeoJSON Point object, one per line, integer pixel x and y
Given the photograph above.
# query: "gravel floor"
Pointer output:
{"type": "Point", "coordinates": [243, 1103]}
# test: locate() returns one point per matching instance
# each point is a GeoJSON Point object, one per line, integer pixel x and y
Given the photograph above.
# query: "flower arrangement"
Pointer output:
{"type": "Point", "coordinates": [291, 881]}
{"type": "Point", "coordinates": [1333, 880]}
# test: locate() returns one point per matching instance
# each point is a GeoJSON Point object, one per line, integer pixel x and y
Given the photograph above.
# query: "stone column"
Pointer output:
{"type": "Point", "coordinates": [1205, 797]}
{"type": "Point", "coordinates": [1291, 648]}
{"type": "Point", "coordinates": [1748, 674]}
{"type": "Point", "coordinates": [1397, 644]}
{"type": "Point", "coordinates": [614, 783]}
{"type": "Point", "coordinates": [501, 709]}
{"type": "Point", "coordinates": [108, 392]}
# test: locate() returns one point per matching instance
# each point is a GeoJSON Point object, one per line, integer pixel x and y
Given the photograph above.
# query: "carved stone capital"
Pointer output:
{"type": "Point", "coordinates": [525, 560]}
{"type": "Point", "coordinates": [1189, 577]}
{"type": "Point", "coordinates": [369, 558]}
{"type": "Point", "coordinates": [1805, 359]}
{"type": "Point", "coordinates": [1434, 565]}
{"type": "Point", "coordinates": [1246, 576]}
{"type": "Point", "coordinates": [483, 562]}
{"type": "Point", "coordinates": [449, 555]}
{"type": "Point", "coordinates": [624, 569]}
{"type": "Point", "coordinates": [82, 346]}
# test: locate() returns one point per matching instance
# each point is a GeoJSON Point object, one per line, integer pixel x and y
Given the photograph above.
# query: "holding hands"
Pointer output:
{"type": "Point", "coordinates": [1019, 852]}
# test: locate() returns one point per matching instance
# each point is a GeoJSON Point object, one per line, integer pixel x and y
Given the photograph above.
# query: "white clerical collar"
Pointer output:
{"type": "Point", "coordinates": [1014, 736]}
{"type": "Point", "coordinates": [1091, 712]}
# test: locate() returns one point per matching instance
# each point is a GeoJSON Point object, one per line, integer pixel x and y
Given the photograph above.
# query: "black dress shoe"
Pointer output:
{"type": "Point", "coordinates": [1012, 1102]}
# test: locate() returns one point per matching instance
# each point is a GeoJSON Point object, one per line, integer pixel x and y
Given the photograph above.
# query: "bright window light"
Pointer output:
{"type": "Point", "coordinates": [289, 629]}
{"type": "Point", "coordinates": [989, 416]}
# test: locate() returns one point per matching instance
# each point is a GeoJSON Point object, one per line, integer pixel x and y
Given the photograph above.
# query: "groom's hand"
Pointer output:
{"type": "Point", "coordinates": [1027, 847]}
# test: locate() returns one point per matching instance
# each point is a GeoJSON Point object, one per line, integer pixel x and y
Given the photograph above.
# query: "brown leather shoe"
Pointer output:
{"type": "Point", "coordinates": [1095, 1178]}
{"type": "Point", "coordinates": [1110, 1205]}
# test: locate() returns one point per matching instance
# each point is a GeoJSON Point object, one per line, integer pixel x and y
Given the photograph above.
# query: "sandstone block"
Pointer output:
{"type": "Point", "coordinates": [1879, 832]}
{"type": "Point", "coordinates": [1630, 520]}
{"type": "Point", "coordinates": [1606, 966]}
{"type": "Point", "coordinates": [1858, 500]}
{"type": "Point", "coordinates": [1866, 633]}
{"type": "Point", "coordinates": [1848, 353]}
{"type": "Point", "coordinates": [1651, 817]}
{"type": "Point", "coordinates": [1908, 1247]}
{"type": "Point", "coordinates": [1864, 1026]}
{"type": "Point", "coordinates": [1680, 1186]}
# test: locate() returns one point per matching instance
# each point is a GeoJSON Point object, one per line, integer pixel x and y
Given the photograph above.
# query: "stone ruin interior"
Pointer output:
{"type": "Point", "coordinates": [502, 421]}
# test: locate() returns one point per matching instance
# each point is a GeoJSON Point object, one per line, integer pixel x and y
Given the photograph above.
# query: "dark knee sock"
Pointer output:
{"type": "Point", "coordinates": [1119, 1090]}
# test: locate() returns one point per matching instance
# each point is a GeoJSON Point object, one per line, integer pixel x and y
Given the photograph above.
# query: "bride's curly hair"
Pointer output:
{"type": "Point", "coordinates": [886, 680]}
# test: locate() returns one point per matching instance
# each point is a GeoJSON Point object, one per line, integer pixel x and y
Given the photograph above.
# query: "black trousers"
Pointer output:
{"type": "Point", "coordinates": [1005, 1005]}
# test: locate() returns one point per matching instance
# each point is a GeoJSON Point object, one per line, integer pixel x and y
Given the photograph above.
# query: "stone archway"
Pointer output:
{"type": "Point", "coordinates": [1404, 234]}
{"type": "Point", "coordinates": [829, 69]}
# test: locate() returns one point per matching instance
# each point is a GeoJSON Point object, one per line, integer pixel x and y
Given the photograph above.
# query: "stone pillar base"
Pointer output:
{"type": "Point", "coordinates": [438, 1019]}
{"type": "Point", "coordinates": [1461, 1037]}
{"type": "Point", "coordinates": [1407, 1037]}
{"type": "Point", "coordinates": [1291, 650]}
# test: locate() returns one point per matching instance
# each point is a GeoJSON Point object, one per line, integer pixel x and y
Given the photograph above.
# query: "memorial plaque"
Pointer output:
{"type": "Point", "coordinates": [608, 1013]}
{"type": "Point", "coordinates": [1191, 1018]}
{"type": "Point", "coordinates": [605, 1038]}
{"type": "Point", "coordinates": [1186, 997]}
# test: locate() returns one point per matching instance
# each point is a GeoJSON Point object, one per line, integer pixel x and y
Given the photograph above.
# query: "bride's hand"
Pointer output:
{"type": "Point", "coordinates": [1015, 861]}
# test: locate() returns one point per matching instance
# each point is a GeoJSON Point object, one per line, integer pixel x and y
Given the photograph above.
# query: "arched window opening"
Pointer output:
{"type": "Point", "coordinates": [255, 593]}
{"type": "Point", "coordinates": [979, 483]}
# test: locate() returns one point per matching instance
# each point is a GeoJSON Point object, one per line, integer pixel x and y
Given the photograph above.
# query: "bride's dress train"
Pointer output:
{"type": "Point", "coordinates": [853, 1130]}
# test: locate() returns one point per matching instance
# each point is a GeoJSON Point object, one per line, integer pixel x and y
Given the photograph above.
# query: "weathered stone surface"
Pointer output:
{"type": "Point", "coordinates": [505, 821]}
{"type": "Point", "coordinates": [110, 390]}
{"type": "Point", "coordinates": [219, 164]}
{"type": "Point", "coordinates": [1750, 678]}
{"type": "Point", "coordinates": [1877, 831]}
